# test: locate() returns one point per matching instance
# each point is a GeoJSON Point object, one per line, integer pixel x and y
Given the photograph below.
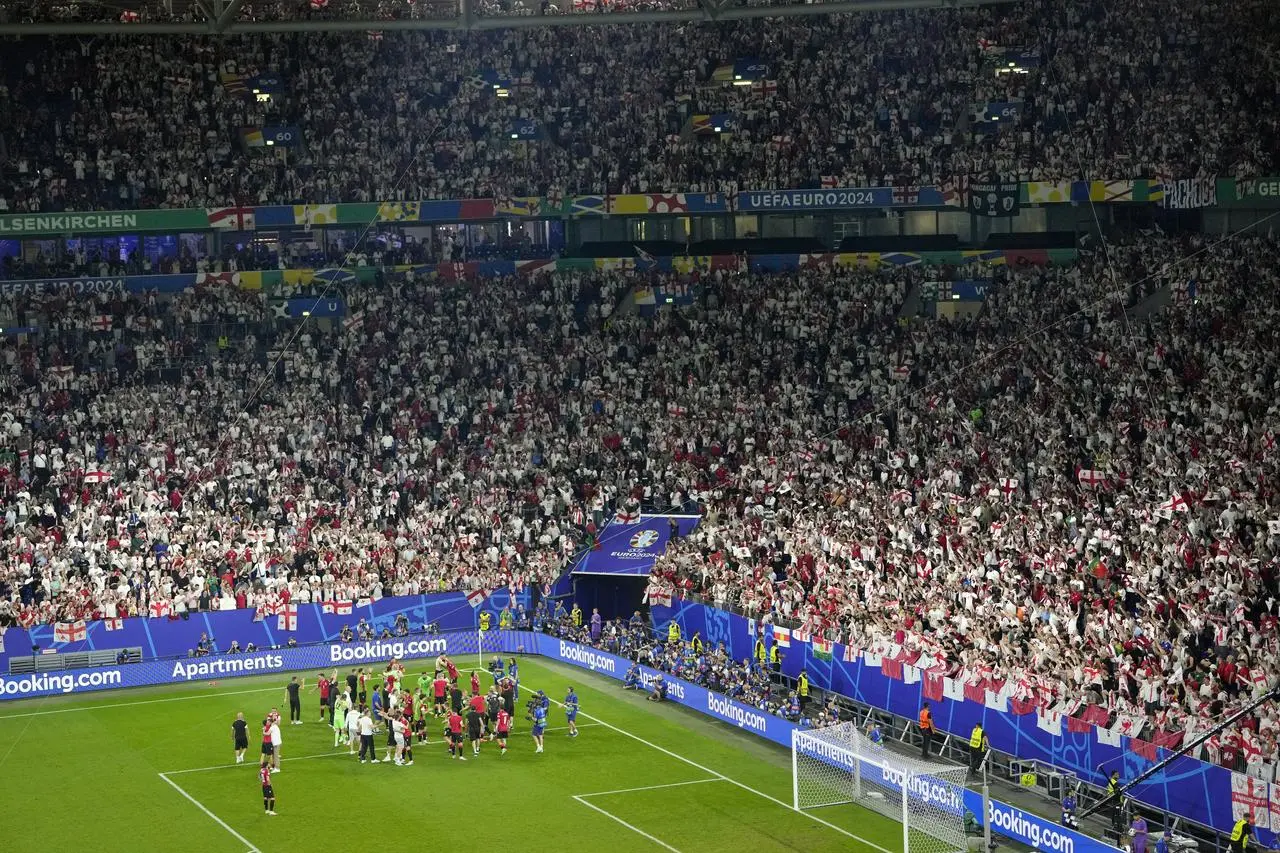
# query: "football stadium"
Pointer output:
{"type": "Point", "coordinates": [687, 425]}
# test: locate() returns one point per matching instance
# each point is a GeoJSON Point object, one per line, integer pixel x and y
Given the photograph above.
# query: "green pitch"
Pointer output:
{"type": "Point", "coordinates": [151, 770]}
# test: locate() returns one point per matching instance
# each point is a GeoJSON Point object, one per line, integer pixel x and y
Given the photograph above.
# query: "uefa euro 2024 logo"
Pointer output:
{"type": "Point", "coordinates": [644, 539]}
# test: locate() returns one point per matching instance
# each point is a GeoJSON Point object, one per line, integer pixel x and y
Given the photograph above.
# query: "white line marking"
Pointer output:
{"type": "Point", "coordinates": [219, 821]}
{"type": "Point", "coordinates": [140, 702]}
{"type": "Point", "coordinates": [253, 764]}
{"type": "Point", "coordinates": [731, 781]}
{"type": "Point", "coordinates": [631, 827]}
{"type": "Point", "coordinates": [648, 788]}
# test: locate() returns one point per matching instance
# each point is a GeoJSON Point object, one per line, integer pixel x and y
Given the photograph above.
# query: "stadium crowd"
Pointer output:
{"type": "Point", "coordinates": [1089, 493]}
{"type": "Point", "coordinates": [142, 122]}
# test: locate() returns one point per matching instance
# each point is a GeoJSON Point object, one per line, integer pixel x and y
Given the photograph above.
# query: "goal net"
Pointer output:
{"type": "Point", "coordinates": [840, 766]}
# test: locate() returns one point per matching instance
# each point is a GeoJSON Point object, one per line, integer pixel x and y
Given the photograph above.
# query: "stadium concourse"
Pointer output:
{"type": "Point", "coordinates": [151, 122]}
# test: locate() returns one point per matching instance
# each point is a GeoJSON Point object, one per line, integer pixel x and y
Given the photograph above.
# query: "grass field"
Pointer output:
{"type": "Point", "coordinates": [151, 770]}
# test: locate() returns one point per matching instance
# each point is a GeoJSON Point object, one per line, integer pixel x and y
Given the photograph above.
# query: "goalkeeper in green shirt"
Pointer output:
{"type": "Point", "coordinates": [341, 707]}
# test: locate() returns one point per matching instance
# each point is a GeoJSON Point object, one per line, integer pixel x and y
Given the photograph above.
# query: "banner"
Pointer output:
{"type": "Point", "coordinates": [271, 135]}
{"type": "Point", "coordinates": [632, 546]}
{"type": "Point", "coordinates": [318, 657]}
{"type": "Point", "coordinates": [1006, 820]}
{"type": "Point", "coordinates": [993, 199]}
{"type": "Point", "coordinates": [1248, 192]}
{"type": "Point", "coordinates": [305, 306]}
{"type": "Point", "coordinates": [174, 637]}
{"type": "Point", "coordinates": [1190, 194]}
{"type": "Point", "coordinates": [775, 201]}
{"type": "Point", "coordinates": [1193, 788]}
{"type": "Point", "coordinates": [52, 224]}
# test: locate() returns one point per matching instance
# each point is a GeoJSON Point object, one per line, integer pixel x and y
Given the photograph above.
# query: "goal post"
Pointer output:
{"type": "Point", "coordinates": [840, 767]}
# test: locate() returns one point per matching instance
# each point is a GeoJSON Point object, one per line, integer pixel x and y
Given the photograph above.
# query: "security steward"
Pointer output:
{"type": "Point", "coordinates": [673, 632]}
{"type": "Point", "coordinates": [927, 731]}
{"type": "Point", "coordinates": [485, 620]}
{"type": "Point", "coordinates": [978, 748]}
{"type": "Point", "coordinates": [1241, 835]}
{"type": "Point", "coordinates": [761, 653]}
{"type": "Point", "coordinates": [802, 689]}
{"type": "Point", "coordinates": [696, 643]}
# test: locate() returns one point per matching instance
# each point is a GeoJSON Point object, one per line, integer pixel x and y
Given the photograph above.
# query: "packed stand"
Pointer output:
{"type": "Point", "coordinates": [150, 123]}
{"type": "Point", "coordinates": [1063, 502]}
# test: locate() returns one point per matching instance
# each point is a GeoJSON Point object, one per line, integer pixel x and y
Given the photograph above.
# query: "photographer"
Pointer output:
{"type": "Point", "coordinates": [659, 691]}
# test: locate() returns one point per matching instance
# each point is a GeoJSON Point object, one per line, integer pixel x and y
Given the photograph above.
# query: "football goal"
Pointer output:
{"type": "Point", "coordinates": [839, 766]}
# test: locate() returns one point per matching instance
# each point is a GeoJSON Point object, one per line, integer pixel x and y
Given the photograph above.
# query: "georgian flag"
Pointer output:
{"type": "Point", "coordinates": [287, 619]}
{"type": "Point", "coordinates": [341, 608]}
{"type": "Point", "coordinates": [658, 595]}
{"type": "Point", "coordinates": [160, 609]}
{"type": "Point", "coordinates": [476, 597]}
{"type": "Point", "coordinates": [363, 602]}
{"type": "Point", "coordinates": [625, 516]}
{"type": "Point", "coordinates": [69, 632]}
{"type": "Point", "coordinates": [114, 624]}
{"type": "Point", "coordinates": [802, 634]}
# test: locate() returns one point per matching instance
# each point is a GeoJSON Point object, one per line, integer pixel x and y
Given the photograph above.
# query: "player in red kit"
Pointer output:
{"type": "Point", "coordinates": [475, 682]}
{"type": "Point", "coordinates": [453, 670]}
{"type": "Point", "coordinates": [439, 689]}
{"type": "Point", "coordinates": [325, 686]}
{"type": "Point", "coordinates": [268, 792]}
{"type": "Point", "coordinates": [455, 735]}
{"type": "Point", "coordinates": [504, 729]}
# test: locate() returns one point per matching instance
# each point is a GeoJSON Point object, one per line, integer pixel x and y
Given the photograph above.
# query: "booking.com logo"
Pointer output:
{"type": "Point", "coordinates": [586, 657]}
{"type": "Point", "coordinates": [65, 683]}
{"type": "Point", "coordinates": [929, 793]}
{"type": "Point", "coordinates": [1038, 833]}
{"type": "Point", "coordinates": [380, 650]}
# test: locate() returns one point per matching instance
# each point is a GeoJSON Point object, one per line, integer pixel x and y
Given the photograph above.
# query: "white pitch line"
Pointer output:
{"type": "Point", "coordinates": [632, 827]}
{"type": "Point", "coordinates": [219, 821]}
{"type": "Point", "coordinates": [252, 764]}
{"type": "Point", "coordinates": [731, 781]}
{"type": "Point", "coordinates": [140, 702]}
{"type": "Point", "coordinates": [649, 788]}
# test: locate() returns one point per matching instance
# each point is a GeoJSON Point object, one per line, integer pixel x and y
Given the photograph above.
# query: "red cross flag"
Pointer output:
{"type": "Point", "coordinates": [69, 632]}
{"type": "Point", "coordinates": [160, 609]}
{"type": "Point", "coordinates": [1008, 486]}
{"type": "Point", "coordinates": [1090, 478]}
{"type": "Point", "coordinates": [287, 619]}
{"type": "Point", "coordinates": [113, 624]}
{"type": "Point", "coordinates": [476, 597]}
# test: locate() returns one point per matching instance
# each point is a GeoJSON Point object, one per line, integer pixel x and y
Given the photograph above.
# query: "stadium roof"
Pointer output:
{"type": "Point", "coordinates": [221, 17]}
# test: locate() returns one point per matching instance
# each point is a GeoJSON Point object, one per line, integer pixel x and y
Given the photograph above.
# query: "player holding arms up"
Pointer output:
{"type": "Point", "coordinates": [571, 712]}
{"type": "Point", "coordinates": [268, 792]}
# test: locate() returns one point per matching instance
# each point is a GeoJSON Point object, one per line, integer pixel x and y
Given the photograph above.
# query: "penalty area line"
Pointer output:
{"type": "Point", "coordinates": [251, 848]}
{"type": "Point", "coordinates": [724, 778]}
{"type": "Point", "coordinates": [637, 830]}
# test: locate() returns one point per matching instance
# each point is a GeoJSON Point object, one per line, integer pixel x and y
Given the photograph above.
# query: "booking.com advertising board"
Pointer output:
{"type": "Point", "coordinates": [175, 637]}
{"type": "Point", "coordinates": [323, 657]}
{"type": "Point", "coordinates": [1193, 788]}
{"type": "Point", "coordinates": [1006, 820]}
